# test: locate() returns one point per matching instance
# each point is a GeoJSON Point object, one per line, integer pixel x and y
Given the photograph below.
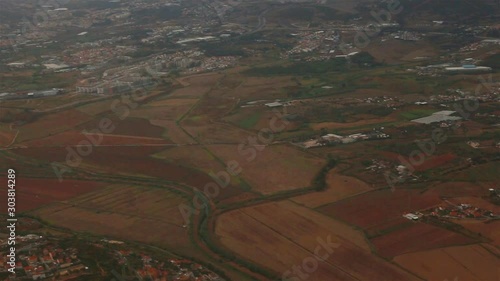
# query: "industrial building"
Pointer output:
{"type": "Point", "coordinates": [439, 116]}
{"type": "Point", "coordinates": [468, 68]}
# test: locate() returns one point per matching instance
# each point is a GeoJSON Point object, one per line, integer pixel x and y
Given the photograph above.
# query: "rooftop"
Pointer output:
{"type": "Point", "coordinates": [439, 116]}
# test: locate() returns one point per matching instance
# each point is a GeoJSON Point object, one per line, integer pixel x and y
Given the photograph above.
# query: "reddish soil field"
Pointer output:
{"type": "Point", "coordinates": [133, 161]}
{"type": "Point", "coordinates": [75, 137]}
{"type": "Point", "coordinates": [390, 155]}
{"type": "Point", "coordinates": [289, 237]}
{"type": "Point", "coordinates": [62, 119]}
{"type": "Point", "coordinates": [460, 263]}
{"type": "Point", "coordinates": [389, 225]}
{"type": "Point", "coordinates": [50, 123]}
{"type": "Point", "coordinates": [6, 138]}
{"type": "Point", "coordinates": [417, 237]}
{"type": "Point", "coordinates": [435, 161]}
{"type": "Point", "coordinates": [490, 229]}
{"type": "Point", "coordinates": [33, 193]}
{"type": "Point", "coordinates": [173, 132]}
{"type": "Point", "coordinates": [371, 209]}
{"type": "Point", "coordinates": [339, 187]}
{"type": "Point", "coordinates": [275, 168]}
{"type": "Point", "coordinates": [129, 126]}
{"type": "Point", "coordinates": [430, 162]}
{"type": "Point", "coordinates": [336, 125]}
{"type": "Point", "coordinates": [463, 189]}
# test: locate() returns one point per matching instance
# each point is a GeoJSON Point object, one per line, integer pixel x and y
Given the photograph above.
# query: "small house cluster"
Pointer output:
{"type": "Point", "coordinates": [148, 268]}
{"type": "Point", "coordinates": [460, 211]}
{"type": "Point", "coordinates": [39, 258]}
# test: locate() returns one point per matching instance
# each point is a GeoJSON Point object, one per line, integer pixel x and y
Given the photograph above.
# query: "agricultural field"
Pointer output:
{"type": "Point", "coordinates": [436, 161]}
{"type": "Point", "coordinates": [393, 50]}
{"type": "Point", "coordinates": [132, 161]}
{"type": "Point", "coordinates": [422, 237]}
{"type": "Point", "coordinates": [487, 172]}
{"type": "Point", "coordinates": [248, 117]}
{"type": "Point", "coordinates": [291, 234]}
{"type": "Point", "coordinates": [195, 86]}
{"type": "Point", "coordinates": [7, 135]}
{"type": "Point", "coordinates": [274, 168]}
{"type": "Point", "coordinates": [51, 102]}
{"type": "Point", "coordinates": [173, 132]}
{"type": "Point", "coordinates": [191, 156]}
{"type": "Point", "coordinates": [97, 108]}
{"type": "Point", "coordinates": [372, 210]}
{"type": "Point", "coordinates": [164, 109]}
{"type": "Point", "coordinates": [262, 88]}
{"type": "Point", "coordinates": [338, 187]}
{"type": "Point", "coordinates": [463, 189]}
{"type": "Point", "coordinates": [149, 215]}
{"type": "Point", "coordinates": [193, 91]}
{"type": "Point", "coordinates": [489, 230]}
{"type": "Point", "coordinates": [73, 138]}
{"type": "Point", "coordinates": [216, 133]}
{"type": "Point", "coordinates": [361, 124]}
{"type": "Point", "coordinates": [52, 124]}
{"type": "Point", "coordinates": [32, 193]}
{"type": "Point", "coordinates": [129, 126]}
{"type": "Point", "coordinates": [291, 200]}
{"type": "Point", "coordinates": [472, 262]}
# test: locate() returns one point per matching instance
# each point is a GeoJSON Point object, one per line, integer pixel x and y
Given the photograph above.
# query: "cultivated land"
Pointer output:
{"type": "Point", "coordinates": [33, 193]}
{"type": "Point", "coordinates": [376, 208]}
{"type": "Point", "coordinates": [339, 187]}
{"type": "Point", "coordinates": [422, 237]}
{"type": "Point", "coordinates": [150, 215]}
{"type": "Point", "coordinates": [51, 124]}
{"type": "Point", "coordinates": [205, 113]}
{"type": "Point", "coordinates": [273, 168]}
{"type": "Point", "coordinates": [285, 239]}
{"type": "Point", "coordinates": [472, 262]}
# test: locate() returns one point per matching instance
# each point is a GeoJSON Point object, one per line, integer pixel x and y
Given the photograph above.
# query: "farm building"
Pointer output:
{"type": "Point", "coordinates": [439, 116]}
{"type": "Point", "coordinates": [468, 69]}
{"type": "Point", "coordinates": [274, 104]}
{"type": "Point", "coordinates": [411, 216]}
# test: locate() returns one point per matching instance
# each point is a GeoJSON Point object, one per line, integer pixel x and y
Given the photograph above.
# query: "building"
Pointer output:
{"type": "Point", "coordinates": [439, 116]}
{"type": "Point", "coordinates": [274, 104]}
{"type": "Point", "coordinates": [411, 216]}
{"type": "Point", "coordinates": [468, 68]}
{"type": "Point", "coordinates": [16, 65]}
{"type": "Point", "coordinates": [53, 66]}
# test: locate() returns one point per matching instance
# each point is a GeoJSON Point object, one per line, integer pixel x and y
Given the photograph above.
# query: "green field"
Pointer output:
{"type": "Point", "coordinates": [251, 121]}
{"type": "Point", "coordinates": [417, 113]}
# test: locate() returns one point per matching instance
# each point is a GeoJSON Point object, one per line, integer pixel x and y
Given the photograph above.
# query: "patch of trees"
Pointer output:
{"type": "Point", "coordinates": [494, 32]}
{"type": "Point", "coordinates": [492, 61]}
{"type": "Point", "coordinates": [319, 183]}
{"type": "Point", "coordinates": [363, 58]}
